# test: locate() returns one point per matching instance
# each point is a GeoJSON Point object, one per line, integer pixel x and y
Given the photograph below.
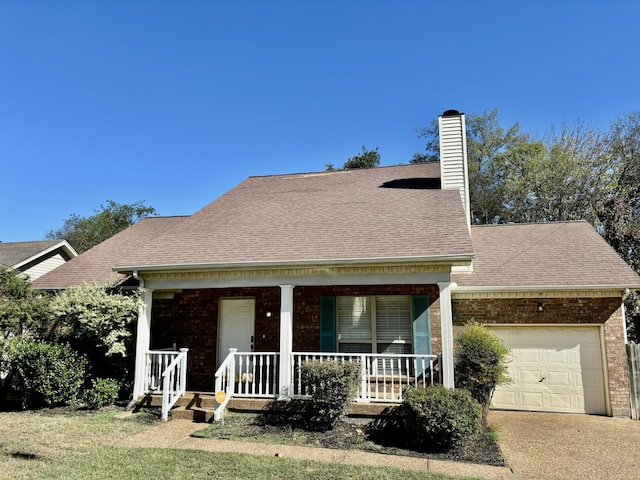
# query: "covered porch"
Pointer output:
{"type": "Point", "coordinates": [288, 325]}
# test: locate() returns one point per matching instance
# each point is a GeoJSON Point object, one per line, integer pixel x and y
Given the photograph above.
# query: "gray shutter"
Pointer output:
{"type": "Point", "coordinates": [421, 325]}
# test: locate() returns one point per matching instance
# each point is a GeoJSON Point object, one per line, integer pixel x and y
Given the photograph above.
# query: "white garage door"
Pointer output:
{"type": "Point", "coordinates": [553, 369]}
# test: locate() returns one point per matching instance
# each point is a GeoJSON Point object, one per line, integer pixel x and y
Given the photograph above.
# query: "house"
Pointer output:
{"type": "Point", "coordinates": [378, 266]}
{"type": "Point", "coordinates": [36, 258]}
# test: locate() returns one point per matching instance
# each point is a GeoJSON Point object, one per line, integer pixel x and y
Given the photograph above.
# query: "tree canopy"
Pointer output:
{"type": "Point", "coordinates": [86, 232]}
{"type": "Point", "coordinates": [366, 159]}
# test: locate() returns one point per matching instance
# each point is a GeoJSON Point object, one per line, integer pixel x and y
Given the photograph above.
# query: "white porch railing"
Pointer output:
{"type": "Point", "coordinates": [383, 377]}
{"type": "Point", "coordinates": [167, 373]}
{"type": "Point", "coordinates": [247, 374]}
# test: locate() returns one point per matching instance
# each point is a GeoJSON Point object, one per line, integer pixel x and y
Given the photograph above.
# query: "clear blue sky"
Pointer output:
{"type": "Point", "coordinates": [175, 102]}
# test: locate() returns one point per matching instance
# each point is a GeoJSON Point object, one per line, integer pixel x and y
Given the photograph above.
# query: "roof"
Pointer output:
{"type": "Point", "coordinates": [319, 217]}
{"type": "Point", "coordinates": [96, 264]}
{"type": "Point", "coordinates": [16, 254]}
{"type": "Point", "coordinates": [557, 254]}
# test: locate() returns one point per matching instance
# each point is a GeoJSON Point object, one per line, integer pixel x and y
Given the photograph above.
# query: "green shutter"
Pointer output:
{"type": "Point", "coordinates": [421, 325]}
{"type": "Point", "coordinates": [327, 324]}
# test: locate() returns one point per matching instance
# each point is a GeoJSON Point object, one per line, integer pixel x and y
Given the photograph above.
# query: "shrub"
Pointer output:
{"type": "Point", "coordinates": [51, 374]}
{"type": "Point", "coordinates": [439, 418]}
{"type": "Point", "coordinates": [103, 392]}
{"type": "Point", "coordinates": [332, 386]}
{"type": "Point", "coordinates": [480, 363]}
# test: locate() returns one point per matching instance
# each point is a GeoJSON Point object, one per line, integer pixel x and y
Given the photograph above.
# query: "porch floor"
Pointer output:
{"type": "Point", "coordinates": [199, 406]}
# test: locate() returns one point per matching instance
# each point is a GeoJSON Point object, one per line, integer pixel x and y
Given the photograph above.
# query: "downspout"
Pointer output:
{"type": "Point", "coordinates": [625, 294]}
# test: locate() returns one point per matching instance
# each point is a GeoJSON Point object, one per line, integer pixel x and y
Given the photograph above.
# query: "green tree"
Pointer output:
{"type": "Point", "coordinates": [24, 314]}
{"type": "Point", "coordinates": [86, 232]}
{"type": "Point", "coordinates": [620, 212]}
{"type": "Point", "coordinates": [366, 159]}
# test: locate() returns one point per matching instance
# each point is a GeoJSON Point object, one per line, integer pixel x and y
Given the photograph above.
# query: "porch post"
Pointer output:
{"type": "Point", "coordinates": [446, 325]}
{"type": "Point", "coordinates": [143, 342]}
{"type": "Point", "coordinates": [286, 340]}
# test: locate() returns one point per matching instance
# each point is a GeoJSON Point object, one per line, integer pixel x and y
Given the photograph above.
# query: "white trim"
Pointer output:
{"type": "Point", "coordinates": [446, 325]}
{"type": "Point", "coordinates": [143, 343]}
{"type": "Point", "coordinates": [539, 291]}
{"type": "Point", "coordinates": [190, 267]}
{"type": "Point", "coordinates": [63, 244]}
{"type": "Point", "coordinates": [286, 341]}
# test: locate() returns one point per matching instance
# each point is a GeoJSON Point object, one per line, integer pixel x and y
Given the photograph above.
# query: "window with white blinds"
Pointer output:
{"type": "Point", "coordinates": [380, 324]}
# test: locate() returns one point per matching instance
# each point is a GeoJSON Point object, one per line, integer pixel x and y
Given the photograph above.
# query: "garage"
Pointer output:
{"type": "Point", "coordinates": [553, 369]}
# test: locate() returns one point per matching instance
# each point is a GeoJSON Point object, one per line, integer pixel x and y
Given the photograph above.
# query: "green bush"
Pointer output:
{"type": "Point", "coordinates": [333, 386]}
{"type": "Point", "coordinates": [51, 374]}
{"type": "Point", "coordinates": [103, 392]}
{"type": "Point", "coordinates": [439, 418]}
{"type": "Point", "coordinates": [480, 363]}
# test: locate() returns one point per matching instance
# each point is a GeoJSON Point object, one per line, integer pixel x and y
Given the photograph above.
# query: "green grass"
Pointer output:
{"type": "Point", "coordinates": [63, 446]}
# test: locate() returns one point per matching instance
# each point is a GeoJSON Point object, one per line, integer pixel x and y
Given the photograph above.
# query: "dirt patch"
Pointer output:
{"type": "Point", "coordinates": [371, 437]}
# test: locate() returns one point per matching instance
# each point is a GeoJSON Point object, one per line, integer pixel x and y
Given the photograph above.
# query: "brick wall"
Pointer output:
{"type": "Point", "coordinates": [602, 311]}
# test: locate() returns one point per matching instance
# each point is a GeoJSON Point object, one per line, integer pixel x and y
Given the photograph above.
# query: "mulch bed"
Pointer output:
{"type": "Point", "coordinates": [345, 435]}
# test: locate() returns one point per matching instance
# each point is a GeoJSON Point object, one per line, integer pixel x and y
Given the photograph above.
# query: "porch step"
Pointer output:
{"type": "Point", "coordinates": [195, 414]}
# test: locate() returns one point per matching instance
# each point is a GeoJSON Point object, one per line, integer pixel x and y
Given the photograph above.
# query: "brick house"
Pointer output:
{"type": "Point", "coordinates": [377, 266]}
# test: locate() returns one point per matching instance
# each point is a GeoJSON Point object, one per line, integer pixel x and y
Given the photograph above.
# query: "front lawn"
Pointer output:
{"type": "Point", "coordinates": [80, 445]}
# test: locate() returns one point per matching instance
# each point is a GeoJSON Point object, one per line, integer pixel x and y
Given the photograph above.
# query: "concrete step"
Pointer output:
{"type": "Point", "coordinates": [195, 414]}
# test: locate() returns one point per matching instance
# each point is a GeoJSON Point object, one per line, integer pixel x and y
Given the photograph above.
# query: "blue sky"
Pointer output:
{"type": "Point", "coordinates": [175, 102]}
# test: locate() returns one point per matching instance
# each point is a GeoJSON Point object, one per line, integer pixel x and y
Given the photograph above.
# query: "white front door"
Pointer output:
{"type": "Point", "coordinates": [235, 326]}
{"type": "Point", "coordinates": [552, 369]}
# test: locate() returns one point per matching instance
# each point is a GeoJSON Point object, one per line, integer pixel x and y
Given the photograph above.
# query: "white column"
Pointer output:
{"type": "Point", "coordinates": [446, 325]}
{"type": "Point", "coordinates": [286, 340]}
{"type": "Point", "coordinates": [143, 342]}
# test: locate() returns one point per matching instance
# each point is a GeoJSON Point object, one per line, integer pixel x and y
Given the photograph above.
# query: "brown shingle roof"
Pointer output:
{"type": "Point", "coordinates": [569, 254]}
{"type": "Point", "coordinates": [95, 265]}
{"type": "Point", "coordinates": [318, 217]}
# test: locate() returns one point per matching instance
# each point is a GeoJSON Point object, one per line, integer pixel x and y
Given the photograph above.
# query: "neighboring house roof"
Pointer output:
{"type": "Point", "coordinates": [557, 254]}
{"type": "Point", "coordinates": [367, 214]}
{"type": "Point", "coordinates": [35, 258]}
{"type": "Point", "coordinates": [96, 264]}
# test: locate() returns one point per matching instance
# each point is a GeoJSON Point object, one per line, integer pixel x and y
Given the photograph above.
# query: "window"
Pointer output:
{"type": "Point", "coordinates": [380, 324]}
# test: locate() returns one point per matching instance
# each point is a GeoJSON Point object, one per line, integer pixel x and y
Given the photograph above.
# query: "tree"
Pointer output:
{"type": "Point", "coordinates": [23, 314]}
{"type": "Point", "coordinates": [366, 159]}
{"type": "Point", "coordinates": [85, 232]}
{"type": "Point", "coordinates": [620, 212]}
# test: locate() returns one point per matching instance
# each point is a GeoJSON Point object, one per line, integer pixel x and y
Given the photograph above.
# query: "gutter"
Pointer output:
{"type": "Point", "coordinates": [438, 259]}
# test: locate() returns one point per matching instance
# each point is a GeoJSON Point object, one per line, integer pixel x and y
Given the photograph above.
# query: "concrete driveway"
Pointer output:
{"type": "Point", "coordinates": [546, 446]}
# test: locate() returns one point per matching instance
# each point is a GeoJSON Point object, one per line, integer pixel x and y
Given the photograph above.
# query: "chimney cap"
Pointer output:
{"type": "Point", "coordinates": [451, 113]}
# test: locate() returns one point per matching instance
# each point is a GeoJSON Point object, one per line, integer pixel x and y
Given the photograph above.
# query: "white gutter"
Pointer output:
{"type": "Point", "coordinates": [533, 288]}
{"type": "Point", "coordinates": [437, 259]}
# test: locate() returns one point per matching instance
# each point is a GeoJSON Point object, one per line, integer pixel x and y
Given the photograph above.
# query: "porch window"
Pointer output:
{"type": "Point", "coordinates": [381, 324]}
{"type": "Point", "coordinates": [374, 324]}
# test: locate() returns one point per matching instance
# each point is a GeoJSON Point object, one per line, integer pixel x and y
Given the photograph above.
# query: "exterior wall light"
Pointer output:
{"type": "Point", "coordinates": [269, 314]}
{"type": "Point", "coordinates": [539, 306]}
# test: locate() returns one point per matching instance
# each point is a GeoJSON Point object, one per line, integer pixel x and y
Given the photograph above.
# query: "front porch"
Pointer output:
{"type": "Point", "coordinates": [257, 375]}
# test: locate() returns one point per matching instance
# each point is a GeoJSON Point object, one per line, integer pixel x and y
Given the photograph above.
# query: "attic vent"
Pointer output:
{"type": "Point", "coordinates": [413, 183]}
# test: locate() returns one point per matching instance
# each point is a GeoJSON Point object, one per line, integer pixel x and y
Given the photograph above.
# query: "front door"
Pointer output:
{"type": "Point", "coordinates": [236, 326]}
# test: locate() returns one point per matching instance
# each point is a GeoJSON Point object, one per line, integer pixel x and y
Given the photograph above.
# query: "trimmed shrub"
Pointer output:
{"type": "Point", "coordinates": [439, 418]}
{"type": "Point", "coordinates": [103, 392]}
{"type": "Point", "coordinates": [480, 363]}
{"type": "Point", "coordinates": [51, 374]}
{"type": "Point", "coordinates": [332, 386]}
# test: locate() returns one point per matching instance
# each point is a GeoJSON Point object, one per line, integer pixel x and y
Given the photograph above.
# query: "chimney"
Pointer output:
{"type": "Point", "coordinates": [453, 156]}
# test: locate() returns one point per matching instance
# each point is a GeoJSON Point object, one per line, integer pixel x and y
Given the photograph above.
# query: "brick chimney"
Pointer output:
{"type": "Point", "coordinates": [453, 156]}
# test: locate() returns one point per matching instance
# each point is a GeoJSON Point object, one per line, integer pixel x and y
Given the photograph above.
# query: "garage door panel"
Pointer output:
{"type": "Point", "coordinates": [567, 359]}
{"type": "Point", "coordinates": [531, 400]}
{"type": "Point", "coordinates": [558, 379]}
{"type": "Point", "coordinates": [528, 377]}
